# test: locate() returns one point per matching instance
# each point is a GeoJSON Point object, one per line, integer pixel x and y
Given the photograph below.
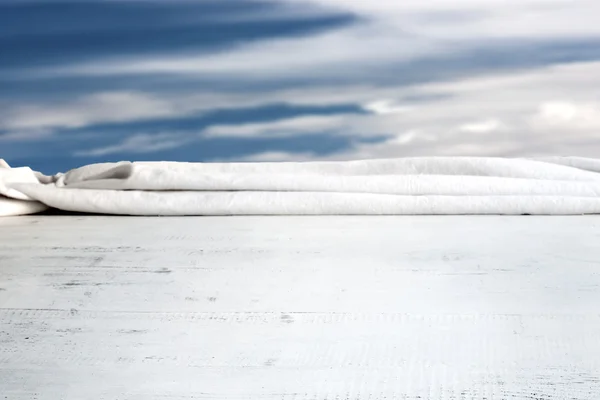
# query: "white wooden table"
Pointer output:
{"type": "Point", "coordinates": [317, 308]}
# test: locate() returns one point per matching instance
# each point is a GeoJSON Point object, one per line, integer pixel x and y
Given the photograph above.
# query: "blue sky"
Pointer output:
{"type": "Point", "coordinates": [242, 80]}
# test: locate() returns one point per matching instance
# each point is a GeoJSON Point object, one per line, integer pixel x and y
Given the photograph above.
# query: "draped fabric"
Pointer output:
{"type": "Point", "coordinates": [401, 186]}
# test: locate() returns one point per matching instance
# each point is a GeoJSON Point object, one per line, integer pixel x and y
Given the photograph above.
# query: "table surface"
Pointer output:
{"type": "Point", "coordinates": [319, 308]}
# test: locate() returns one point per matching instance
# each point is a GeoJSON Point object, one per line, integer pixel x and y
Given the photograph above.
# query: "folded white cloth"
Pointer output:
{"type": "Point", "coordinates": [403, 186]}
{"type": "Point", "coordinates": [14, 202]}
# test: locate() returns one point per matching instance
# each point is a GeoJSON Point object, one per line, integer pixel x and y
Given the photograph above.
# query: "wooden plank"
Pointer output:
{"type": "Point", "coordinates": [96, 307]}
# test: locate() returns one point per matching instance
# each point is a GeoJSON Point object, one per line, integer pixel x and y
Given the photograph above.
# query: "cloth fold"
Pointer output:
{"type": "Point", "coordinates": [401, 186]}
{"type": "Point", "coordinates": [12, 201]}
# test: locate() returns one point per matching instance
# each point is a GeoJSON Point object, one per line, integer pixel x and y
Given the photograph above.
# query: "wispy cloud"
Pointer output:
{"type": "Point", "coordinates": [345, 52]}
{"type": "Point", "coordinates": [283, 127]}
{"type": "Point", "coordinates": [93, 109]}
{"type": "Point", "coordinates": [478, 20]}
{"type": "Point", "coordinates": [568, 115]}
{"type": "Point", "coordinates": [272, 156]}
{"type": "Point", "coordinates": [485, 126]}
{"type": "Point", "coordinates": [514, 113]}
{"type": "Point", "coordinates": [519, 114]}
{"type": "Point", "coordinates": [410, 77]}
{"type": "Point", "coordinates": [139, 144]}
{"type": "Point", "coordinates": [390, 32]}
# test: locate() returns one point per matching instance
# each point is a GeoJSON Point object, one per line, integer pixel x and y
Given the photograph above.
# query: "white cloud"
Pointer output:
{"type": "Point", "coordinates": [342, 52]}
{"type": "Point", "coordinates": [26, 121]}
{"type": "Point", "coordinates": [26, 135]}
{"type": "Point", "coordinates": [97, 108]}
{"type": "Point", "coordinates": [478, 19]}
{"type": "Point", "coordinates": [390, 32]}
{"type": "Point", "coordinates": [548, 111]}
{"type": "Point", "coordinates": [385, 107]}
{"type": "Point", "coordinates": [551, 110]}
{"type": "Point", "coordinates": [271, 156]}
{"type": "Point", "coordinates": [568, 115]}
{"type": "Point", "coordinates": [283, 127]}
{"type": "Point", "coordinates": [140, 143]}
{"type": "Point", "coordinates": [32, 120]}
{"type": "Point", "coordinates": [462, 104]}
{"type": "Point", "coordinates": [485, 126]}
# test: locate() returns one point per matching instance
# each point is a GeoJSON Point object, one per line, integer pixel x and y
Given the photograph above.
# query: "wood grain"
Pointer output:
{"type": "Point", "coordinates": [300, 308]}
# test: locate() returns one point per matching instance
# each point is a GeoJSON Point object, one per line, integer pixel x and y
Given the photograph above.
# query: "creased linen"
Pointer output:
{"type": "Point", "coordinates": [401, 186]}
{"type": "Point", "coordinates": [14, 202]}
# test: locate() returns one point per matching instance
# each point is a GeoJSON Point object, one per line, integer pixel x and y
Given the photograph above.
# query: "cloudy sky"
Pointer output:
{"type": "Point", "coordinates": [85, 81]}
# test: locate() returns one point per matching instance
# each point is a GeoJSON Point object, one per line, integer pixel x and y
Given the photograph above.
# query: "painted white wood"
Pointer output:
{"type": "Point", "coordinates": [300, 308]}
